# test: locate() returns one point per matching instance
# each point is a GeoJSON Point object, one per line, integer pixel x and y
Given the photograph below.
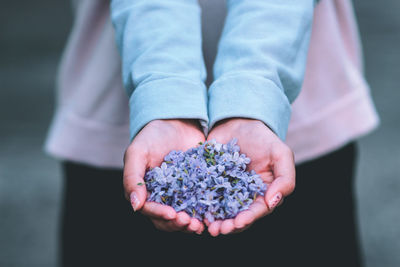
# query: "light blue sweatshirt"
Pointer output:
{"type": "Point", "coordinates": [258, 71]}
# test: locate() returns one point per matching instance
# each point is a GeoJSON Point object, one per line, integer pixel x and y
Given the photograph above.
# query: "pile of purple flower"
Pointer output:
{"type": "Point", "coordinates": [209, 181]}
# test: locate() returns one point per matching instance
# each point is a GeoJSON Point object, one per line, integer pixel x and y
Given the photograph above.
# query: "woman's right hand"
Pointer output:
{"type": "Point", "coordinates": [148, 150]}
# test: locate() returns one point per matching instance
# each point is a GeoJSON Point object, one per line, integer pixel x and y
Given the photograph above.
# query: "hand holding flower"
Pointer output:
{"type": "Point", "coordinates": [270, 158]}
{"type": "Point", "coordinates": [147, 150]}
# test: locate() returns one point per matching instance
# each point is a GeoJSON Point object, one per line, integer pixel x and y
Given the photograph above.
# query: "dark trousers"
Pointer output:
{"type": "Point", "coordinates": [314, 226]}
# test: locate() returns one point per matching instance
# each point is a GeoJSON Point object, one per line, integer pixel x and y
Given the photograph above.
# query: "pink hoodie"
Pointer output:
{"type": "Point", "coordinates": [91, 123]}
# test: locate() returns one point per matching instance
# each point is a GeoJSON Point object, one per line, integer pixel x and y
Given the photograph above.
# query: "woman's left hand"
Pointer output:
{"type": "Point", "coordinates": [270, 158]}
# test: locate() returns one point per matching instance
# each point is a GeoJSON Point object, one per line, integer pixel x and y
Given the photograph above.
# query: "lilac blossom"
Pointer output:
{"type": "Point", "coordinates": [209, 181]}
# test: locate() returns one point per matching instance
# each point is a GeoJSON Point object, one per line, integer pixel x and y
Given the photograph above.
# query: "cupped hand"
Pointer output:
{"type": "Point", "coordinates": [148, 150]}
{"type": "Point", "coordinates": [270, 158]}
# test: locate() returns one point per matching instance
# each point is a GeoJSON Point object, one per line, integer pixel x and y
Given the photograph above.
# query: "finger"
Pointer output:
{"type": "Point", "coordinates": [256, 211]}
{"type": "Point", "coordinates": [201, 228]}
{"type": "Point", "coordinates": [158, 211]}
{"type": "Point", "coordinates": [284, 177]}
{"type": "Point", "coordinates": [135, 162]}
{"type": "Point", "coordinates": [227, 226]}
{"type": "Point", "coordinates": [241, 229]}
{"type": "Point", "coordinates": [160, 225]}
{"type": "Point", "coordinates": [173, 225]}
{"type": "Point", "coordinates": [195, 226]}
{"type": "Point", "coordinates": [243, 219]}
{"type": "Point", "coordinates": [214, 228]}
{"type": "Point", "coordinates": [280, 202]}
{"type": "Point", "coordinates": [182, 219]}
{"type": "Point", "coordinates": [163, 225]}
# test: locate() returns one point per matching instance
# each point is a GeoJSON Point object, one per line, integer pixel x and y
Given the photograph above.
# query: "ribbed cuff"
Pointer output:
{"type": "Point", "coordinates": [169, 98]}
{"type": "Point", "coordinates": [249, 96]}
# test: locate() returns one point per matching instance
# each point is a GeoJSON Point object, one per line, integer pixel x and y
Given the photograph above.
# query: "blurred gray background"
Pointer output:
{"type": "Point", "coordinates": [32, 36]}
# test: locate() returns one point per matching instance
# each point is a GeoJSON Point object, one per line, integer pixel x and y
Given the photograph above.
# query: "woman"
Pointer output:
{"type": "Point", "coordinates": [90, 133]}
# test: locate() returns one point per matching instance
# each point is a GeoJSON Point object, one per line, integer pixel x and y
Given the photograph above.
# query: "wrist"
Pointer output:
{"type": "Point", "coordinates": [180, 123]}
{"type": "Point", "coordinates": [237, 121]}
{"type": "Point", "coordinates": [180, 127]}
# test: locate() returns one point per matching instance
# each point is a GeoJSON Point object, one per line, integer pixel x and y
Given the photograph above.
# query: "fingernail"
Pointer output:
{"type": "Point", "coordinates": [134, 201]}
{"type": "Point", "coordinates": [275, 200]}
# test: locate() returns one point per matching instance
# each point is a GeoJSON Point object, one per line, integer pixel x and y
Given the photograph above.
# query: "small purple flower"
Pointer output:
{"type": "Point", "coordinates": [208, 182]}
{"type": "Point", "coordinates": [175, 157]}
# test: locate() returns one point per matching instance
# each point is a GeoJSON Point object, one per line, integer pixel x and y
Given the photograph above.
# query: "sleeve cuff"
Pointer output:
{"type": "Point", "coordinates": [249, 96]}
{"type": "Point", "coordinates": [170, 98]}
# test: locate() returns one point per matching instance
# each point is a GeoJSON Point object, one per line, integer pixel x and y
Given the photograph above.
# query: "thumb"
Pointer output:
{"type": "Point", "coordinates": [135, 162]}
{"type": "Point", "coordinates": [284, 178]}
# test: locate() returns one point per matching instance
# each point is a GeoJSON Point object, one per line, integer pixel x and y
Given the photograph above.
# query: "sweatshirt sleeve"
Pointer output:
{"type": "Point", "coordinates": [261, 61]}
{"type": "Point", "coordinates": [162, 62]}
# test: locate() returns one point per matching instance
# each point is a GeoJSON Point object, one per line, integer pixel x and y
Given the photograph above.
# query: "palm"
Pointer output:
{"type": "Point", "coordinates": [260, 161]}
{"type": "Point", "coordinates": [162, 137]}
{"type": "Point", "coordinates": [252, 142]}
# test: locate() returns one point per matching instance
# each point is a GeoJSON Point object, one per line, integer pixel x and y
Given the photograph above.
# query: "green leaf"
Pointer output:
{"type": "Point", "coordinates": [140, 184]}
